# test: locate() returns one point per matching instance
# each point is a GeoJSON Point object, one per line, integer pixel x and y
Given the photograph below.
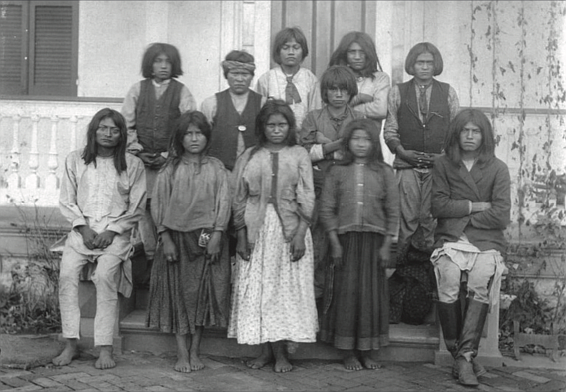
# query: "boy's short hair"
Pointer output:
{"type": "Point", "coordinates": [338, 76]}
{"type": "Point", "coordinates": [417, 50]}
{"type": "Point", "coordinates": [155, 50]}
{"type": "Point", "coordinates": [286, 35]}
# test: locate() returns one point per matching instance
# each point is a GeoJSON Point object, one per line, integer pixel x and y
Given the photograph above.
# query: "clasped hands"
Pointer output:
{"type": "Point", "coordinates": [152, 160]}
{"type": "Point", "coordinates": [212, 250]}
{"type": "Point", "coordinates": [93, 240]}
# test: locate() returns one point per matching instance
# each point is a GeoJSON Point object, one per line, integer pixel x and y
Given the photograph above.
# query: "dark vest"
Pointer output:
{"type": "Point", "coordinates": [155, 118]}
{"type": "Point", "coordinates": [416, 135]}
{"type": "Point", "coordinates": [224, 139]}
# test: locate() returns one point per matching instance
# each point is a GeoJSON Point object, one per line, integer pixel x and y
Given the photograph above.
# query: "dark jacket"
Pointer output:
{"type": "Point", "coordinates": [453, 187]}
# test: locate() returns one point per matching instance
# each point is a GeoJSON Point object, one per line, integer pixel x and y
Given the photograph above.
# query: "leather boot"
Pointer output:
{"type": "Point", "coordinates": [476, 314]}
{"type": "Point", "coordinates": [450, 316]}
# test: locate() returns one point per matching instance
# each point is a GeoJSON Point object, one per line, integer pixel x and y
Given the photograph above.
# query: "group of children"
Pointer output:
{"type": "Point", "coordinates": [313, 186]}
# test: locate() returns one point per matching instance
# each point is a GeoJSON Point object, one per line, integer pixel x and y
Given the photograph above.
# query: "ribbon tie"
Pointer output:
{"type": "Point", "coordinates": [291, 93]}
{"type": "Point", "coordinates": [423, 105]}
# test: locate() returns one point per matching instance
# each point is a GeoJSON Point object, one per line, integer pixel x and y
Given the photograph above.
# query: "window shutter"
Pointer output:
{"type": "Point", "coordinates": [13, 43]}
{"type": "Point", "coordinates": [52, 55]}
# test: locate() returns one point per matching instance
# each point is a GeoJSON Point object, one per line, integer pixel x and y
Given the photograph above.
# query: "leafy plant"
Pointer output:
{"type": "Point", "coordinates": [31, 304]}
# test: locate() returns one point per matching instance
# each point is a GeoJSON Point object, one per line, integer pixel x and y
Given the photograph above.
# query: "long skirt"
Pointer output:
{"type": "Point", "coordinates": [273, 297]}
{"type": "Point", "coordinates": [191, 292]}
{"type": "Point", "coordinates": [356, 314]}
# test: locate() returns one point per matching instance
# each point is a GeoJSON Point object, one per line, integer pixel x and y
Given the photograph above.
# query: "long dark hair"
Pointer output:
{"type": "Point", "coordinates": [155, 50]}
{"type": "Point", "coordinates": [271, 107]}
{"type": "Point", "coordinates": [181, 126]}
{"type": "Point", "coordinates": [340, 55]}
{"type": "Point", "coordinates": [479, 119]}
{"type": "Point", "coordinates": [91, 150]}
{"type": "Point", "coordinates": [375, 160]}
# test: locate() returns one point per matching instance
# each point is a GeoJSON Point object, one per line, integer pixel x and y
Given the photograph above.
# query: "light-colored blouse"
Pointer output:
{"type": "Point", "coordinates": [192, 196]}
{"type": "Point", "coordinates": [272, 85]}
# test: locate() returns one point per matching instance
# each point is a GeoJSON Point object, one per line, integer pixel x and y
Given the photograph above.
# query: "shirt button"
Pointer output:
{"type": "Point", "coordinates": [360, 184]}
{"type": "Point", "coordinates": [360, 202]}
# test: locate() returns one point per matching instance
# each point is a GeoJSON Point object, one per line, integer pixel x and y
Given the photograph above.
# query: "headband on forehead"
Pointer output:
{"type": "Point", "coordinates": [231, 65]}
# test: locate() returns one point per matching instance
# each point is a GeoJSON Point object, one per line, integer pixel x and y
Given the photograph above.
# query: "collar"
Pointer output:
{"type": "Point", "coordinates": [164, 83]}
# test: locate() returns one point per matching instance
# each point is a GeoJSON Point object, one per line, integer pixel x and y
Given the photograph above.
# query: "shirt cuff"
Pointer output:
{"type": "Point", "coordinates": [316, 153]}
{"type": "Point", "coordinates": [79, 222]}
{"type": "Point", "coordinates": [115, 227]}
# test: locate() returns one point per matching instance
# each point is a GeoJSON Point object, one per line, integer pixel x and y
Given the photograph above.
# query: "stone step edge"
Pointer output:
{"type": "Point", "coordinates": [396, 337]}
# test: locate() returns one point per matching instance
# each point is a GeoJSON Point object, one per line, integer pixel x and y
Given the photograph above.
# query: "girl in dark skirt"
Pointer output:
{"type": "Point", "coordinates": [359, 209]}
{"type": "Point", "coordinates": [190, 280]}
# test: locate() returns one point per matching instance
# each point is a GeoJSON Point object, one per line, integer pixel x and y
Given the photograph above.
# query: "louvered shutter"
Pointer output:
{"type": "Point", "coordinates": [13, 47]}
{"type": "Point", "coordinates": [53, 53]}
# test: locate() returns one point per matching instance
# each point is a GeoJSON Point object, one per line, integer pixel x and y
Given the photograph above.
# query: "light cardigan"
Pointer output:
{"type": "Point", "coordinates": [253, 185]}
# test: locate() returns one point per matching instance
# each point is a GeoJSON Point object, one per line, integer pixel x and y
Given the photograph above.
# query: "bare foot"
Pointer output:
{"type": "Point", "coordinates": [368, 361]}
{"type": "Point", "coordinates": [352, 363]}
{"type": "Point", "coordinates": [259, 362]}
{"type": "Point", "coordinates": [282, 364]}
{"type": "Point", "coordinates": [265, 358]}
{"type": "Point", "coordinates": [69, 353]}
{"type": "Point", "coordinates": [183, 365]}
{"type": "Point", "coordinates": [196, 363]}
{"type": "Point", "coordinates": [105, 360]}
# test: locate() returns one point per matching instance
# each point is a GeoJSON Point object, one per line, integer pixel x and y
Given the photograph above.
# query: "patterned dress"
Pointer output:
{"type": "Point", "coordinates": [273, 296]}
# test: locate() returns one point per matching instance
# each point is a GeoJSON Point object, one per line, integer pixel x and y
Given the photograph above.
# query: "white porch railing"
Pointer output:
{"type": "Point", "coordinates": [35, 138]}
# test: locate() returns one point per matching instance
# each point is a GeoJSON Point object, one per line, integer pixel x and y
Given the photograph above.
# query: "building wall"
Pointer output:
{"type": "Point", "coordinates": [114, 35]}
{"type": "Point", "coordinates": [502, 56]}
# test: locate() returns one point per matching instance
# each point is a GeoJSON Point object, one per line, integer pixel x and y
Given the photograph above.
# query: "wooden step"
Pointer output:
{"type": "Point", "coordinates": [408, 343]}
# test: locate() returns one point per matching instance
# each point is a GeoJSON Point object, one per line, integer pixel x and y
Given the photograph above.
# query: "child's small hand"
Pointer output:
{"type": "Point", "coordinates": [169, 248]}
{"type": "Point", "coordinates": [243, 248]}
{"type": "Point", "coordinates": [298, 247]}
{"type": "Point", "coordinates": [336, 255]}
{"type": "Point", "coordinates": [385, 255]}
{"type": "Point", "coordinates": [213, 246]}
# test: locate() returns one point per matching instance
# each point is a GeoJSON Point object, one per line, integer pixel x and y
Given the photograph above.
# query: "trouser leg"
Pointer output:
{"type": "Point", "coordinates": [426, 221]}
{"type": "Point", "coordinates": [70, 268]}
{"type": "Point", "coordinates": [105, 280]}
{"type": "Point", "coordinates": [410, 204]}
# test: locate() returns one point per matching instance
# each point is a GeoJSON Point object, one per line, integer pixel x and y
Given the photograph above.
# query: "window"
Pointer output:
{"type": "Point", "coordinates": [38, 48]}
